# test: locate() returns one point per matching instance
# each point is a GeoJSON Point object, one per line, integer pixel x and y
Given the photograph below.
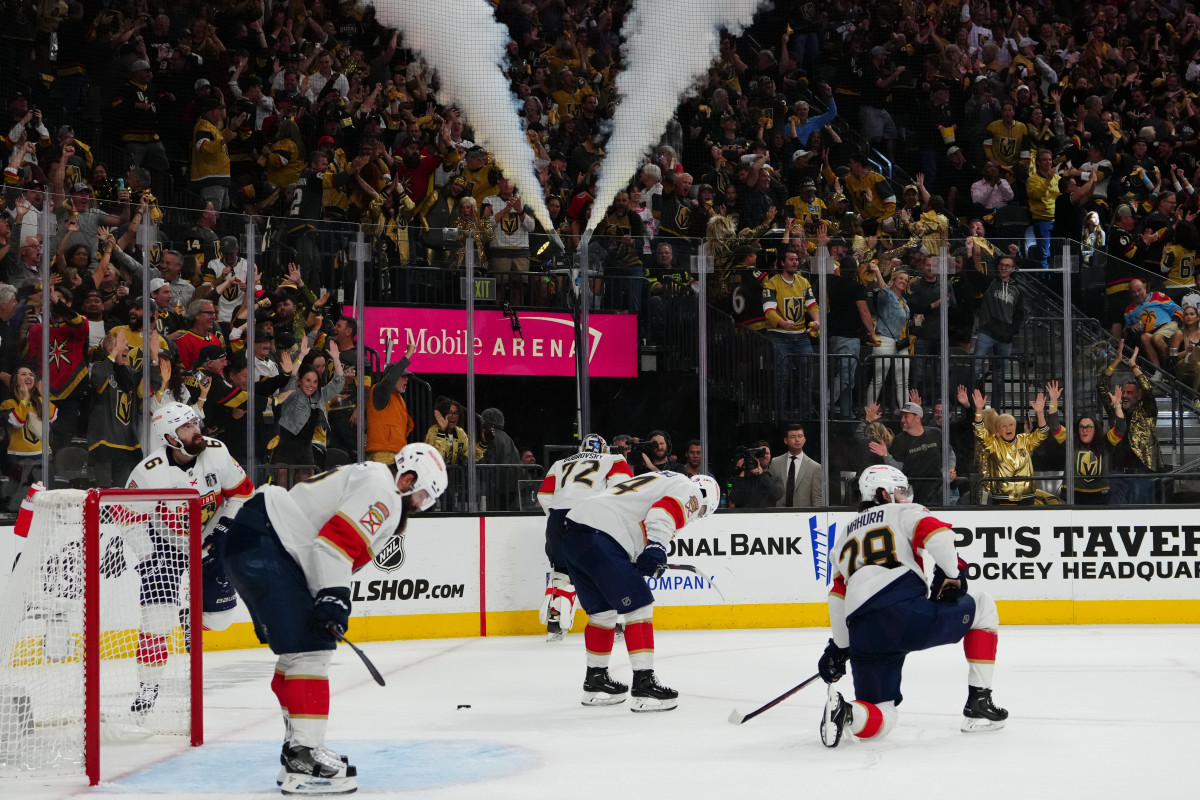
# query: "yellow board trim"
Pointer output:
{"type": "Point", "coordinates": [767, 615]}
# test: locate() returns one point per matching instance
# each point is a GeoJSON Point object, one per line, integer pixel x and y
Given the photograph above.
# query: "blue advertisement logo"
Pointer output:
{"type": "Point", "coordinates": [821, 542]}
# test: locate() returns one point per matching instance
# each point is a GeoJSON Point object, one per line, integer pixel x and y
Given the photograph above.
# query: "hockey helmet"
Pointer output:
{"type": "Point", "coordinates": [890, 479]}
{"type": "Point", "coordinates": [169, 419]}
{"type": "Point", "coordinates": [426, 463]}
{"type": "Point", "coordinates": [710, 493]}
{"type": "Point", "coordinates": [593, 443]}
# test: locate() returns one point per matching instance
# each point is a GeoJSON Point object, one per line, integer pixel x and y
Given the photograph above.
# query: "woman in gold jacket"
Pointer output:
{"type": "Point", "coordinates": [1010, 453]}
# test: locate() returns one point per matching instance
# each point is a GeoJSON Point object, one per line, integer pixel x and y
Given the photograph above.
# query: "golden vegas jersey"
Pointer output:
{"type": "Point", "coordinates": [334, 522]}
{"type": "Point", "coordinates": [1178, 266]}
{"type": "Point", "coordinates": [1006, 146]}
{"type": "Point", "coordinates": [882, 203]}
{"type": "Point", "coordinates": [215, 474]}
{"type": "Point", "coordinates": [649, 508]}
{"type": "Point", "coordinates": [807, 214]}
{"type": "Point", "coordinates": [881, 545]}
{"type": "Point", "coordinates": [791, 301]}
{"type": "Point", "coordinates": [579, 476]}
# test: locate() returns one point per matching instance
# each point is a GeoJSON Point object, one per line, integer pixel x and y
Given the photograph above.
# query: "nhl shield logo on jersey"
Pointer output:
{"type": "Point", "coordinates": [391, 557]}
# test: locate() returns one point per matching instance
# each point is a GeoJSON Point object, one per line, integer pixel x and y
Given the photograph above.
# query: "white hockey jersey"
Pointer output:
{"type": "Point", "coordinates": [234, 295]}
{"type": "Point", "coordinates": [879, 546]}
{"type": "Point", "coordinates": [637, 511]}
{"type": "Point", "coordinates": [579, 476]}
{"type": "Point", "coordinates": [216, 474]}
{"type": "Point", "coordinates": [334, 523]}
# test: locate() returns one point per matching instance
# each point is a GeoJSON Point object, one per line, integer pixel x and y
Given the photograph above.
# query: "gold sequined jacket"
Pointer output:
{"type": "Point", "coordinates": [1010, 460]}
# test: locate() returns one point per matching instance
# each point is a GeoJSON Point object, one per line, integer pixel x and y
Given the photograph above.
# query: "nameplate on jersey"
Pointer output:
{"type": "Point", "coordinates": [485, 288]}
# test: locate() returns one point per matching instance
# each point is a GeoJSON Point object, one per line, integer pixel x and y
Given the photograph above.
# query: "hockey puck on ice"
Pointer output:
{"type": "Point", "coordinates": [462, 705]}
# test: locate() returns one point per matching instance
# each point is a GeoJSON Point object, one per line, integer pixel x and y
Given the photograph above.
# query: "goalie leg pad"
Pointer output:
{"type": "Point", "coordinates": [565, 604]}
{"type": "Point", "coordinates": [558, 586]}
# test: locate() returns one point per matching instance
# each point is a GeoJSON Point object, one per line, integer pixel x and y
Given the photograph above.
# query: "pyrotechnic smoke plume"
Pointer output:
{"type": "Point", "coordinates": [669, 45]}
{"type": "Point", "coordinates": [464, 42]}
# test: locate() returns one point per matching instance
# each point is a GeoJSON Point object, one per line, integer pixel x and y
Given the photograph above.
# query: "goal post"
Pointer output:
{"type": "Point", "coordinates": [100, 629]}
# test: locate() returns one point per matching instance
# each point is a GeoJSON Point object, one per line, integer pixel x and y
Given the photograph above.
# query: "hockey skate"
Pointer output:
{"type": "Point", "coordinates": [283, 764]}
{"type": "Point", "coordinates": [316, 771]}
{"type": "Point", "coordinates": [838, 715]}
{"type": "Point", "coordinates": [980, 714]}
{"type": "Point", "coordinates": [554, 631]}
{"type": "Point", "coordinates": [650, 695]}
{"type": "Point", "coordinates": [599, 689]}
{"type": "Point", "coordinates": [144, 701]}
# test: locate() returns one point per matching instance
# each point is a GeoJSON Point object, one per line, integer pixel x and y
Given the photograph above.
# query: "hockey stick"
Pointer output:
{"type": "Point", "coordinates": [737, 718]}
{"type": "Point", "coordinates": [337, 634]}
{"type": "Point", "coordinates": [699, 573]}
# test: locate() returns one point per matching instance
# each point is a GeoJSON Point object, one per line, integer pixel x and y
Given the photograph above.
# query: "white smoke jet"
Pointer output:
{"type": "Point", "coordinates": [466, 45]}
{"type": "Point", "coordinates": [669, 46]}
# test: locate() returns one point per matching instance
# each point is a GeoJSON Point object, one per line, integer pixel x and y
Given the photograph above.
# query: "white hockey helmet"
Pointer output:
{"type": "Point", "coordinates": [890, 479]}
{"type": "Point", "coordinates": [710, 493]}
{"type": "Point", "coordinates": [593, 443]}
{"type": "Point", "coordinates": [169, 419]}
{"type": "Point", "coordinates": [427, 464]}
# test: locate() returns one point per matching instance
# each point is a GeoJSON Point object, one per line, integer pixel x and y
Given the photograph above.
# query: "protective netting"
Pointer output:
{"type": "Point", "coordinates": [143, 673]}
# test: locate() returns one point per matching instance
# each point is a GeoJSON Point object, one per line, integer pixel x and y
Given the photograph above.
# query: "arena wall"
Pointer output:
{"type": "Point", "coordinates": [485, 576]}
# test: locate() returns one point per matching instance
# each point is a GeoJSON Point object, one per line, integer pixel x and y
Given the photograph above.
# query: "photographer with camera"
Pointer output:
{"type": "Point", "coordinates": [652, 454]}
{"type": "Point", "coordinates": [753, 484]}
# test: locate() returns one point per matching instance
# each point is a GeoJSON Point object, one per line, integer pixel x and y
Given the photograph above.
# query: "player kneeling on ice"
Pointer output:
{"type": "Point", "coordinates": [290, 554]}
{"type": "Point", "coordinates": [186, 459]}
{"type": "Point", "coordinates": [613, 542]}
{"type": "Point", "coordinates": [570, 480]}
{"type": "Point", "coordinates": [879, 611]}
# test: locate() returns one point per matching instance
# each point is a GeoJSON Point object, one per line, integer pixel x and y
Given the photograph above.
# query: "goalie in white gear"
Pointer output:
{"type": "Point", "coordinates": [291, 553]}
{"type": "Point", "coordinates": [185, 460]}
{"type": "Point", "coordinates": [576, 477]}
{"type": "Point", "coordinates": [614, 541]}
{"type": "Point", "coordinates": [880, 610]}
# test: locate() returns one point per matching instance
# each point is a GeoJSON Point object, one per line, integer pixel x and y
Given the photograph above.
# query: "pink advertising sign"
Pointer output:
{"type": "Point", "coordinates": [546, 345]}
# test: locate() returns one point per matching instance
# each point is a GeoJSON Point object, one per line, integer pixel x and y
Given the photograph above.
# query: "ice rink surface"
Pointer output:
{"type": "Point", "coordinates": [1095, 712]}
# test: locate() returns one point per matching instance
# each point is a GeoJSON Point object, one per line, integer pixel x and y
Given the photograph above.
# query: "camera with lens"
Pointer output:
{"type": "Point", "coordinates": [742, 455]}
{"type": "Point", "coordinates": [646, 446]}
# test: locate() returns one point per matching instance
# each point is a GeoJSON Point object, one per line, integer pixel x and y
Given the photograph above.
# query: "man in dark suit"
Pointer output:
{"type": "Point", "coordinates": [799, 474]}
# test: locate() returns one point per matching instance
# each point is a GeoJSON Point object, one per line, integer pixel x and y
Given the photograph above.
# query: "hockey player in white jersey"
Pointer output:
{"type": "Point", "coordinates": [185, 460]}
{"type": "Point", "coordinates": [613, 541]}
{"type": "Point", "coordinates": [570, 480]}
{"type": "Point", "coordinates": [879, 611]}
{"type": "Point", "coordinates": [290, 553]}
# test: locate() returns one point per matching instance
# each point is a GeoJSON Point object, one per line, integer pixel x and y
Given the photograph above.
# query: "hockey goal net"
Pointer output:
{"type": "Point", "coordinates": [94, 627]}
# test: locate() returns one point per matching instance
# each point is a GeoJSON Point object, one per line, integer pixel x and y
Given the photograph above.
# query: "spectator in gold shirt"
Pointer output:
{"type": "Point", "coordinates": [1010, 453]}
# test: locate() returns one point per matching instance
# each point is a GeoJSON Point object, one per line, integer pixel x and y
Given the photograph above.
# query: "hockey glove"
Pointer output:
{"type": "Point", "coordinates": [331, 608]}
{"type": "Point", "coordinates": [832, 663]}
{"type": "Point", "coordinates": [945, 592]}
{"type": "Point", "coordinates": [216, 540]}
{"type": "Point", "coordinates": [652, 561]}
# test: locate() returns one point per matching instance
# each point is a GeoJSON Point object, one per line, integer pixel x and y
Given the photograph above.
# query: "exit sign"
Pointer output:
{"type": "Point", "coordinates": [485, 288]}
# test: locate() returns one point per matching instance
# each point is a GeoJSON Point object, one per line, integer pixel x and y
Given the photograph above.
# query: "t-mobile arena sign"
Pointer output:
{"type": "Point", "coordinates": [544, 346]}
